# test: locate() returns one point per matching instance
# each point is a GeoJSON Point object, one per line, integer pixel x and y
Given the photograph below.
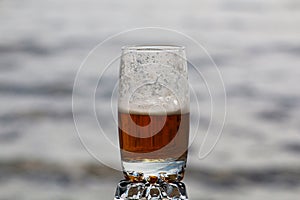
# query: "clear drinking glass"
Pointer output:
{"type": "Point", "coordinates": [153, 118]}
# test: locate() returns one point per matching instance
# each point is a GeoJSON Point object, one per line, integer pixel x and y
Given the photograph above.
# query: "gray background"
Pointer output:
{"type": "Point", "coordinates": [256, 45]}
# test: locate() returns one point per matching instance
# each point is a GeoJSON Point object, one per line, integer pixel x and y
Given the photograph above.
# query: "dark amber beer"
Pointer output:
{"type": "Point", "coordinates": [141, 144]}
{"type": "Point", "coordinates": [152, 144]}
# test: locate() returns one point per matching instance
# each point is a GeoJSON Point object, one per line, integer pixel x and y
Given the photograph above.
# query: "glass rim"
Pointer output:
{"type": "Point", "coordinates": [153, 48]}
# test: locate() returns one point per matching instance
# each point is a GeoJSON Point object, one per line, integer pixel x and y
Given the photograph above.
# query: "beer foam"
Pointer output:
{"type": "Point", "coordinates": [152, 109]}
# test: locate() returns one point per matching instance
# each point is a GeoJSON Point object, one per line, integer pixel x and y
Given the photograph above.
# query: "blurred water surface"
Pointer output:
{"type": "Point", "coordinates": [256, 45]}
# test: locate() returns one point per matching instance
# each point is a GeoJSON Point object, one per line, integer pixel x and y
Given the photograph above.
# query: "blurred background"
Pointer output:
{"type": "Point", "coordinates": [256, 45]}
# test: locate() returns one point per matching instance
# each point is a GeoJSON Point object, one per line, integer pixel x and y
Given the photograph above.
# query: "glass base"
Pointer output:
{"type": "Point", "coordinates": [160, 190]}
{"type": "Point", "coordinates": [170, 171]}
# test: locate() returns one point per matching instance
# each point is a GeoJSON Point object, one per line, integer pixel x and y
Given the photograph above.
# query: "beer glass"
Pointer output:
{"type": "Point", "coordinates": [153, 120]}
